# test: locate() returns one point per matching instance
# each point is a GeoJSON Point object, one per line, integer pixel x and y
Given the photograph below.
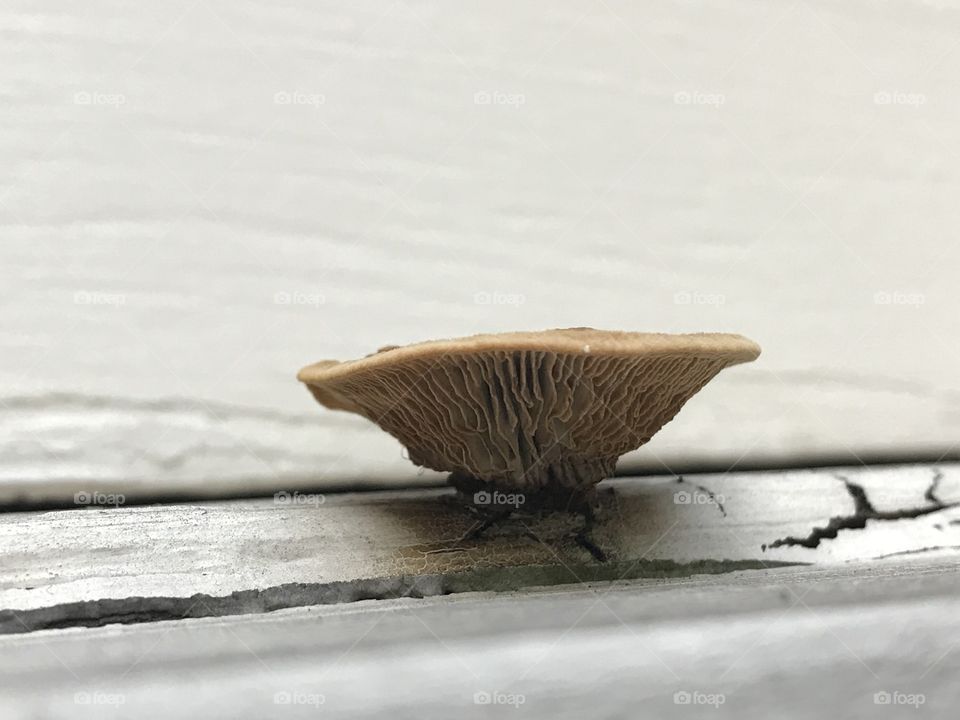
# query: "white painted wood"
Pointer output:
{"type": "Point", "coordinates": [795, 642]}
{"type": "Point", "coordinates": [140, 563]}
{"type": "Point", "coordinates": [196, 199]}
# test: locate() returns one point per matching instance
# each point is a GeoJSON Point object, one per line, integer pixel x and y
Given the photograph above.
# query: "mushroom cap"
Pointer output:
{"type": "Point", "coordinates": [528, 410]}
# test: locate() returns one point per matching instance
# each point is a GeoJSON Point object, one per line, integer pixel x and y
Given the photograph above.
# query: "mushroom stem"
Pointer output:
{"type": "Point", "coordinates": [494, 497]}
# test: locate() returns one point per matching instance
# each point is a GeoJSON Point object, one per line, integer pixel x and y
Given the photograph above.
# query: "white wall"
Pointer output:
{"type": "Point", "coordinates": [199, 198]}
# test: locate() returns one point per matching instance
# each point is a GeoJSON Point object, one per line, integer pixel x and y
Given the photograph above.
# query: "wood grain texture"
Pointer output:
{"type": "Point", "coordinates": [798, 642]}
{"type": "Point", "coordinates": [96, 566]}
{"type": "Point", "coordinates": [197, 199]}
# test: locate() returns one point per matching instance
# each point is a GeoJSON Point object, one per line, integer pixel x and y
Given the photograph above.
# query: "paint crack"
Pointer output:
{"type": "Point", "coordinates": [864, 511]}
{"type": "Point", "coordinates": [711, 495]}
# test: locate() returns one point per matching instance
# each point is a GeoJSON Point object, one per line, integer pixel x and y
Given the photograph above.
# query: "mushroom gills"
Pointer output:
{"type": "Point", "coordinates": [527, 421]}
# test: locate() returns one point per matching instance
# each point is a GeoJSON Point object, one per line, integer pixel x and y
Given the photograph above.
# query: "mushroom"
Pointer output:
{"type": "Point", "coordinates": [546, 414]}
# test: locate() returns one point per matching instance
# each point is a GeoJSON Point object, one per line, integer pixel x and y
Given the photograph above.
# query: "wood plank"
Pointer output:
{"type": "Point", "coordinates": [811, 641]}
{"type": "Point", "coordinates": [135, 564]}
{"type": "Point", "coordinates": [171, 260]}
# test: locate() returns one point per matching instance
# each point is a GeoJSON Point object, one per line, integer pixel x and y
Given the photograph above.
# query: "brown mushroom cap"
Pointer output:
{"type": "Point", "coordinates": [528, 410]}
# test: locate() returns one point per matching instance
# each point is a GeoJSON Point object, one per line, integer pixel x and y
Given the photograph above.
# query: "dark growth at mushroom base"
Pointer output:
{"type": "Point", "coordinates": [552, 495]}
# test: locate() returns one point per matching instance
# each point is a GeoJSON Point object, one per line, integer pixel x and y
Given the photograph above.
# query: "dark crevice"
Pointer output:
{"type": "Point", "coordinates": [863, 511]}
{"type": "Point", "coordinates": [97, 613]}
